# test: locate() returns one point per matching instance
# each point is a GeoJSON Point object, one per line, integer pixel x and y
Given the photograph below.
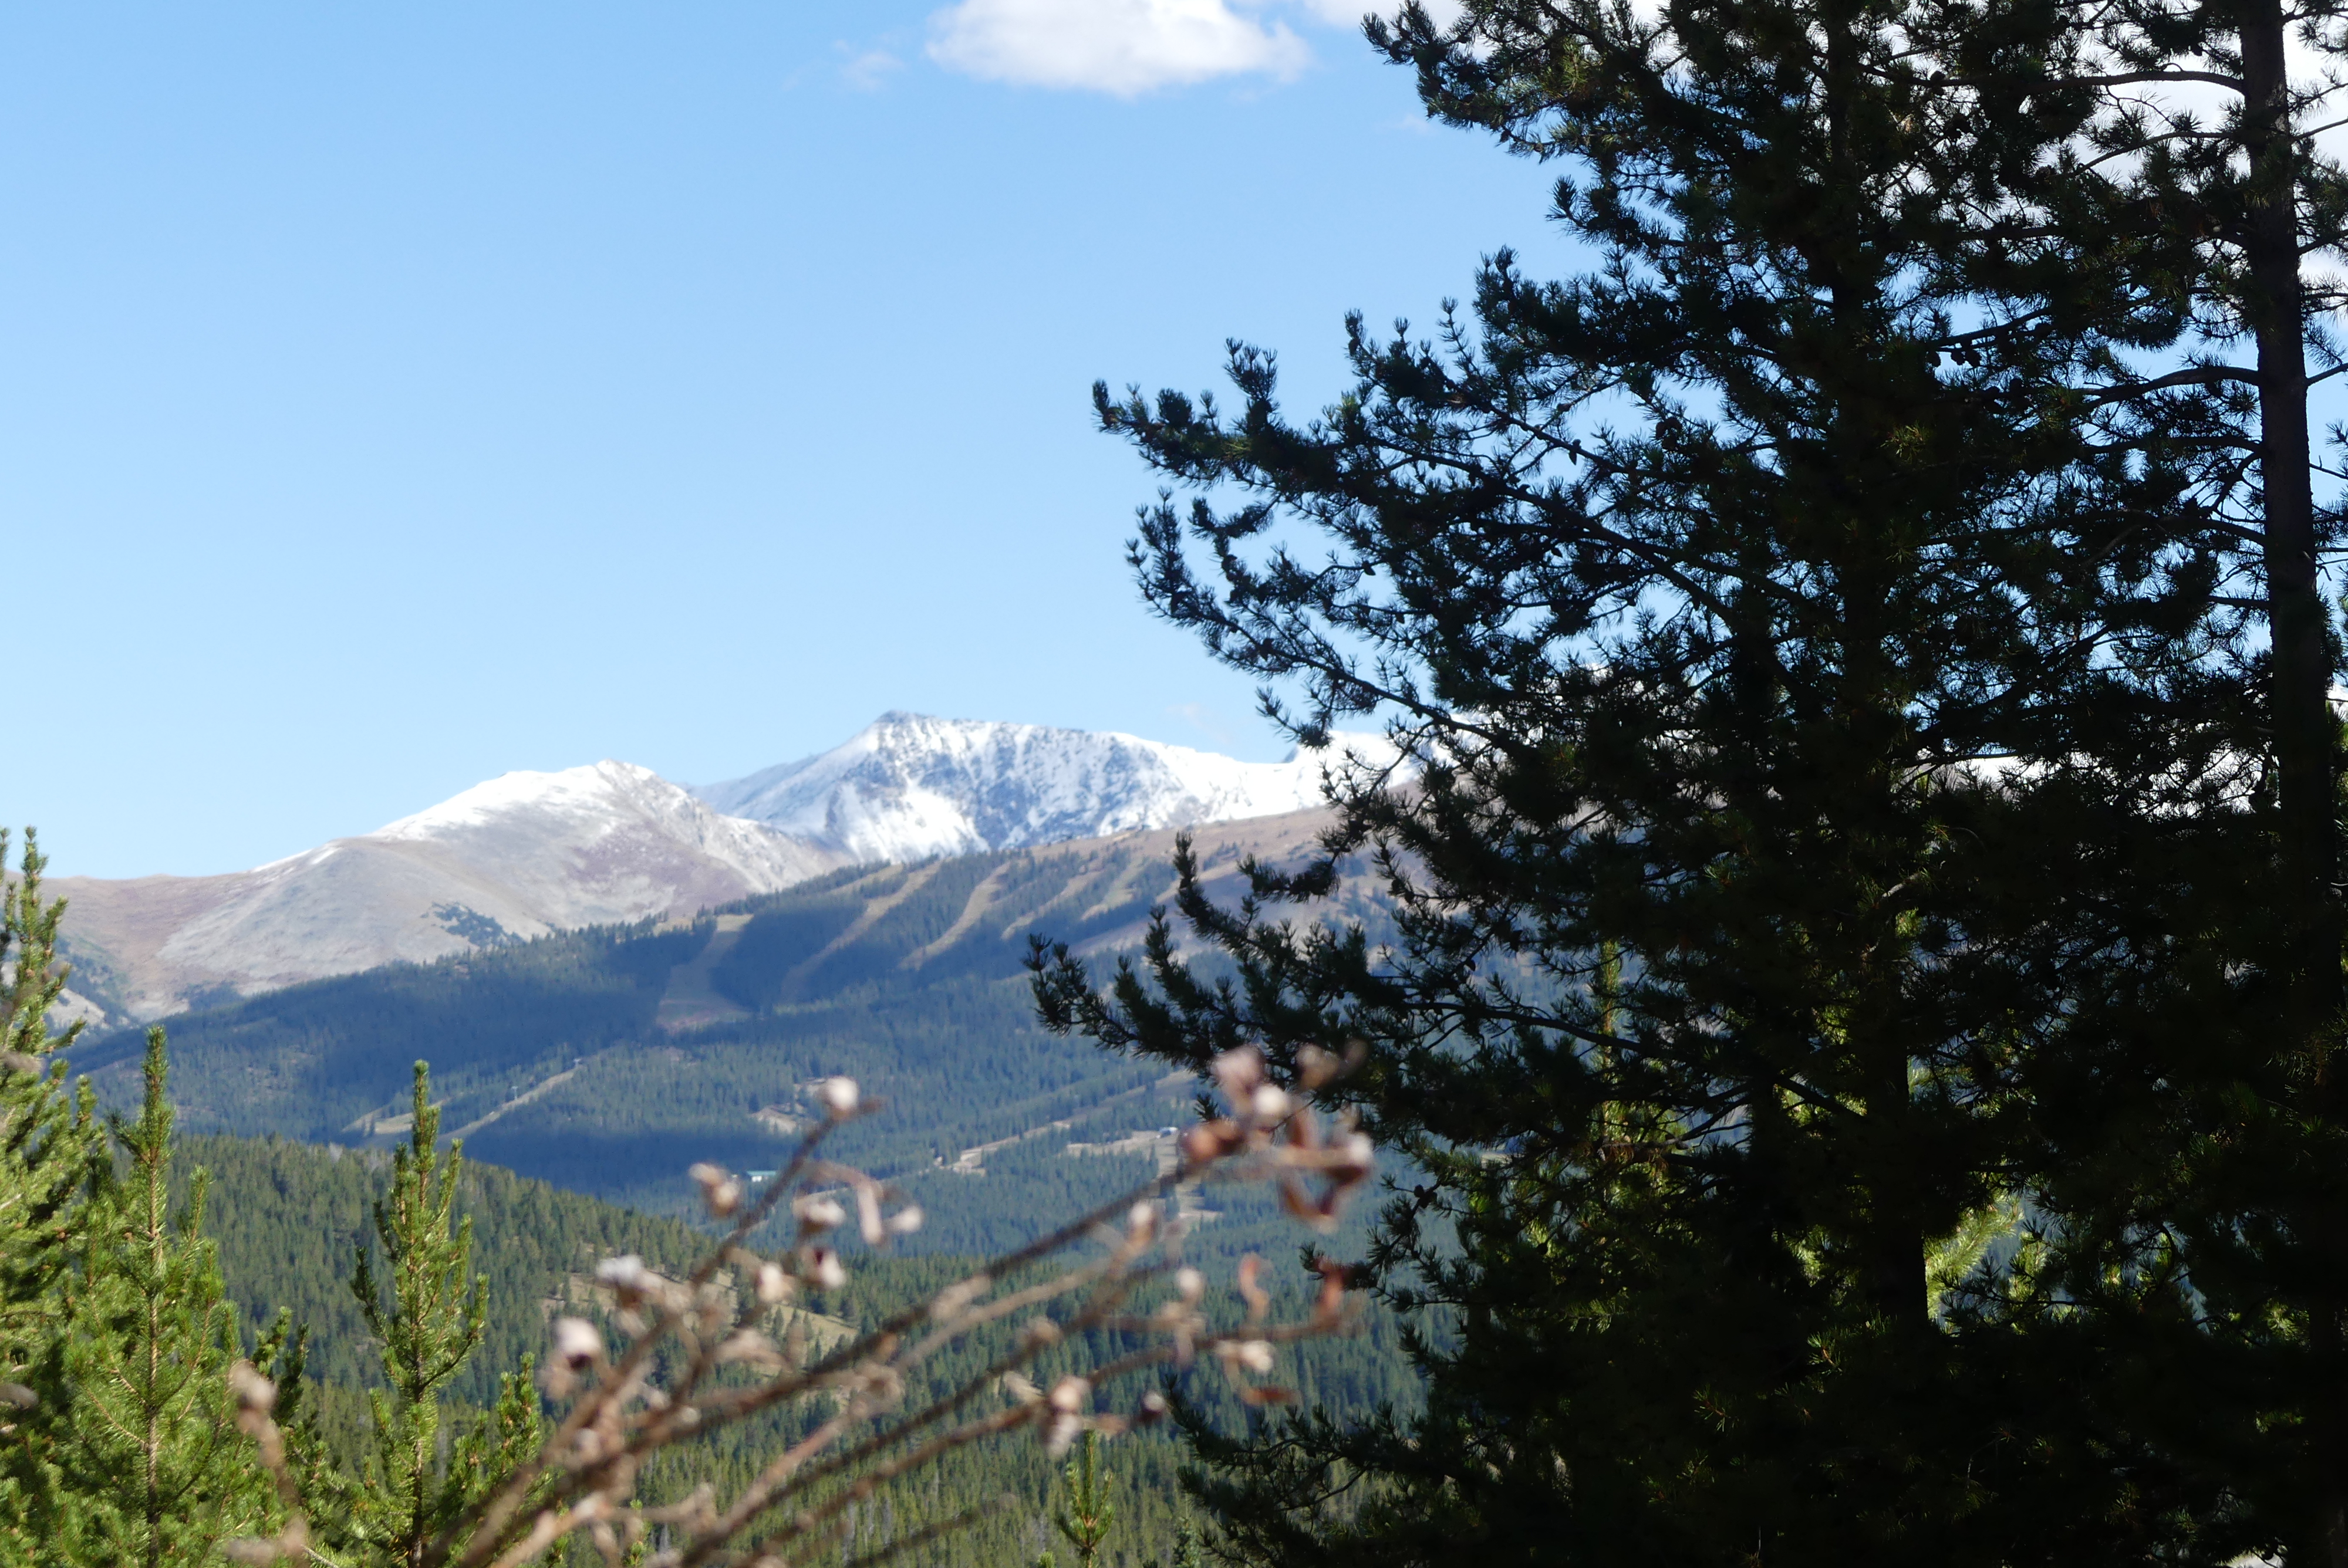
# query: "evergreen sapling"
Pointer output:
{"type": "Point", "coordinates": [52, 1156]}
{"type": "Point", "coordinates": [153, 1467]}
{"type": "Point", "coordinates": [426, 1312]}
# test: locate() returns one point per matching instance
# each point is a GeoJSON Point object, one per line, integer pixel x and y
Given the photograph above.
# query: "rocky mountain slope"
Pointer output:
{"type": "Point", "coordinates": [608, 1060]}
{"type": "Point", "coordinates": [910, 786]}
{"type": "Point", "coordinates": [530, 853]}
{"type": "Point", "coordinates": [516, 857]}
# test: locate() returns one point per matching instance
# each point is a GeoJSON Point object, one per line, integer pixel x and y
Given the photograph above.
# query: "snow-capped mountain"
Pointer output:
{"type": "Point", "coordinates": [530, 853]}
{"type": "Point", "coordinates": [909, 786]}
{"type": "Point", "coordinates": [516, 857]}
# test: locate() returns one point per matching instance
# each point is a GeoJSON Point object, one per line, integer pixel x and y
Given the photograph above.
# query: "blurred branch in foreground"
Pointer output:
{"type": "Point", "coordinates": [682, 1359]}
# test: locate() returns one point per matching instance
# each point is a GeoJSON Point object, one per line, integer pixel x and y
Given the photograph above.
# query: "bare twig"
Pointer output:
{"type": "Point", "coordinates": [717, 1326]}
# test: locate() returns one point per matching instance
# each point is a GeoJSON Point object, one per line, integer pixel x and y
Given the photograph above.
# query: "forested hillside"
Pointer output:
{"type": "Point", "coordinates": [607, 1061]}
{"type": "Point", "coordinates": [587, 1071]}
{"type": "Point", "coordinates": [288, 1218]}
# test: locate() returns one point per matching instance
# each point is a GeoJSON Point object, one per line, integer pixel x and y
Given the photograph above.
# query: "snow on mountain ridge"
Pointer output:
{"type": "Point", "coordinates": [581, 790]}
{"type": "Point", "coordinates": [520, 856]}
{"type": "Point", "coordinates": [909, 786]}
{"type": "Point", "coordinates": [528, 853]}
{"type": "Point", "coordinates": [584, 807]}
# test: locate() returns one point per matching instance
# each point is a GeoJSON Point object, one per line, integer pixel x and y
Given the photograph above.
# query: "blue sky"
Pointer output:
{"type": "Point", "coordinates": [394, 396]}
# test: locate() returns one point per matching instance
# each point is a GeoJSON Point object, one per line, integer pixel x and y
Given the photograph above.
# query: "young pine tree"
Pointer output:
{"type": "Point", "coordinates": [1087, 1513]}
{"type": "Point", "coordinates": [51, 1155]}
{"type": "Point", "coordinates": [426, 1312]}
{"type": "Point", "coordinates": [153, 1467]}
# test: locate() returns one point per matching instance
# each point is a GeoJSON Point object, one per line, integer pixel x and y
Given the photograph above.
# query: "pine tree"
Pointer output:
{"type": "Point", "coordinates": [51, 1154]}
{"type": "Point", "coordinates": [153, 1467]}
{"type": "Point", "coordinates": [2196, 1205]}
{"type": "Point", "coordinates": [427, 1315]}
{"type": "Point", "coordinates": [282, 1353]}
{"type": "Point", "coordinates": [1790, 621]}
{"type": "Point", "coordinates": [1086, 1513]}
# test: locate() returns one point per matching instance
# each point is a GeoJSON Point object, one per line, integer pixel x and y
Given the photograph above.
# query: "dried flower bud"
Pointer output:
{"type": "Point", "coordinates": [1206, 1142]}
{"type": "Point", "coordinates": [251, 1391]}
{"type": "Point", "coordinates": [905, 1221]}
{"type": "Point", "coordinates": [18, 1397]}
{"type": "Point", "coordinates": [773, 1284]}
{"type": "Point", "coordinates": [1258, 1300]}
{"type": "Point", "coordinates": [720, 1192]}
{"type": "Point", "coordinates": [824, 1270]}
{"type": "Point", "coordinates": [1154, 1409]}
{"type": "Point", "coordinates": [868, 1214]}
{"type": "Point", "coordinates": [1237, 1073]}
{"type": "Point", "coordinates": [1315, 1067]}
{"type": "Point", "coordinates": [253, 1548]}
{"type": "Point", "coordinates": [1269, 1103]}
{"type": "Point", "coordinates": [1192, 1284]}
{"type": "Point", "coordinates": [1071, 1395]}
{"type": "Point", "coordinates": [576, 1342]}
{"type": "Point", "coordinates": [1252, 1354]}
{"type": "Point", "coordinates": [819, 1213]}
{"type": "Point", "coordinates": [1330, 1300]}
{"type": "Point", "coordinates": [1141, 1221]}
{"type": "Point", "coordinates": [840, 1097]}
{"type": "Point", "coordinates": [629, 1280]}
{"type": "Point", "coordinates": [1357, 1154]}
{"type": "Point", "coordinates": [1020, 1389]}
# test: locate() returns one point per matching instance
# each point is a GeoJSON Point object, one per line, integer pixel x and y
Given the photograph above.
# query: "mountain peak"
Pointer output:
{"type": "Point", "coordinates": [528, 853]}
{"type": "Point", "coordinates": [592, 788]}
{"type": "Point", "coordinates": [908, 786]}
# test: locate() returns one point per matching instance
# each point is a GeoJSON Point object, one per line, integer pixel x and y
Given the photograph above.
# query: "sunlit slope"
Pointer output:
{"type": "Point", "coordinates": [607, 1061]}
{"type": "Point", "coordinates": [517, 857]}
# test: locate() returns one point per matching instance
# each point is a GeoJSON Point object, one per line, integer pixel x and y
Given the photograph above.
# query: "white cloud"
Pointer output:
{"type": "Point", "coordinates": [1120, 46]}
{"type": "Point", "coordinates": [868, 70]}
{"type": "Point", "coordinates": [1349, 13]}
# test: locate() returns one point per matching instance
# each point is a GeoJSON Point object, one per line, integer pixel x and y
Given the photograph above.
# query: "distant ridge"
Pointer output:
{"type": "Point", "coordinates": [513, 858]}
{"type": "Point", "coordinates": [530, 853]}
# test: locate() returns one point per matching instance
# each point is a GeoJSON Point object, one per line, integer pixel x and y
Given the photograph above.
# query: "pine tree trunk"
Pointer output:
{"type": "Point", "coordinates": [154, 1244]}
{"type": "Point", "coordinates": [2304, 740]}
{"type": "Point", "coordinates": [1894, 1263]}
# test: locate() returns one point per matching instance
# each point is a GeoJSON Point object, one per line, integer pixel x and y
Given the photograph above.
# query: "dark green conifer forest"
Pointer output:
{"type": "Point", "coordinates": [398, 1302]}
